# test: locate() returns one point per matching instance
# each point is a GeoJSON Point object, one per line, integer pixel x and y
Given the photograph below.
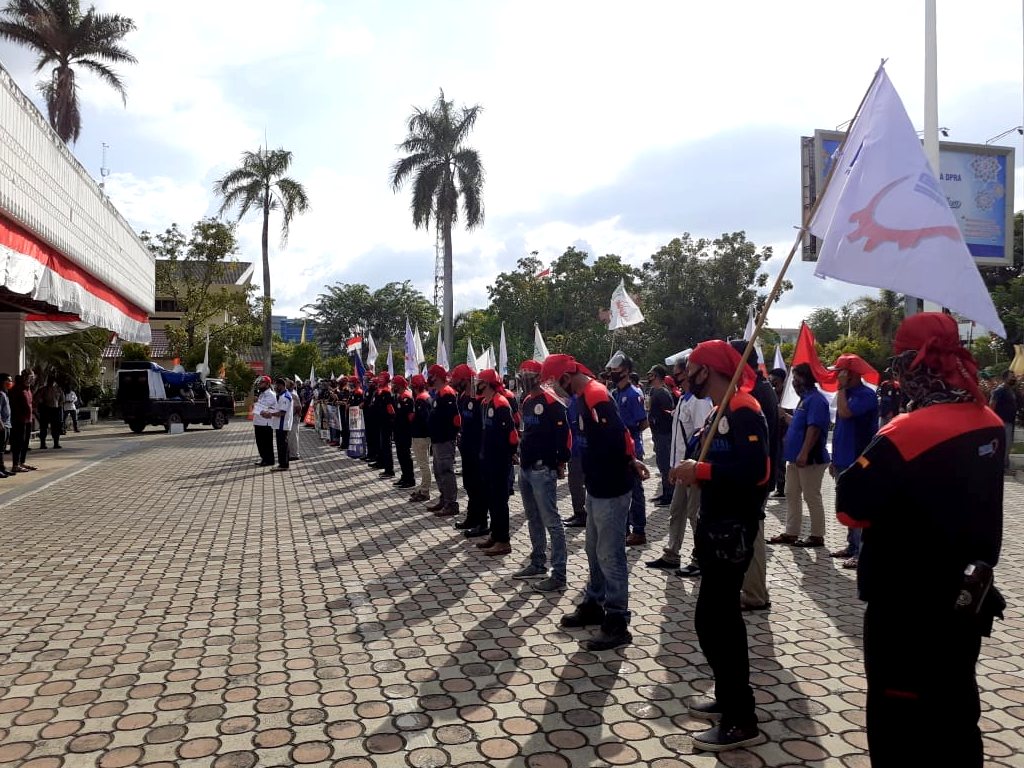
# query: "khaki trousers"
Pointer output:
{"type": "Point", "coordinates": [805, 482]}
{"type": "Point", "coordinates": [684, 508]}
{"type": "Point", "coordinates": [755, 580]}
{"type": "Point", "coordinates": [421, 453]}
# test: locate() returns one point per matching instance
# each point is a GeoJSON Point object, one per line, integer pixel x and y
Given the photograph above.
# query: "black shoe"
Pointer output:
{"type": "Point", "coordinates": [387, 474]}
{"type": "Point", "coordinates": [585, 615]}
{"type": "Point", "coordinates": [779, 495]}
{"type": "Point", "coordinates": [613, 634]}
{"type": "Point", "coordinates": [661, 562]}
{"type": "Point", "coordinates": [436, 507]}
{"type": "Point", "coordinates": [465, 525]}
{"type": "Point", "coordinates": [750, 607]}
{"type": "Point", "coordinates": [720, 739]}
{"type": "Point", "coordinates": [576, 522]}
{"type": "Point", "coordinates": [690, 571]}
{"type": "Point", "coordinates": [477, 533]}
{"type": "Point", "coordinates": [663, 503]}
{"type": "Point", "coordinates": [704, 707]}
{"type": "Point", "coordinates": [42, 447]}
{"type": "Point", "coordinates": [264, 463]}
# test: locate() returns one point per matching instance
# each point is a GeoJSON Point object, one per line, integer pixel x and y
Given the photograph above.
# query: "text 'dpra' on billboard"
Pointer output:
{"type": "Point", "coordinates": [977, 180]}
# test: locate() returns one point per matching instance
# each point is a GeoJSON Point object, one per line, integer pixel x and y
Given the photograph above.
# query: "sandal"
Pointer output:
{"type": "Point", "coordinates": [784, 538]}
{"type": "Point", "coordinates": [851, 563]}
{"type": "Point", "coordinates": [810, 541]}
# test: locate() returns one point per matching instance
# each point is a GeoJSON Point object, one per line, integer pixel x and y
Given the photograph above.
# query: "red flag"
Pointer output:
{"type": "Point", "coordinates": [828, 379]}
{"type": "Point", "coordinates": [543, 273]}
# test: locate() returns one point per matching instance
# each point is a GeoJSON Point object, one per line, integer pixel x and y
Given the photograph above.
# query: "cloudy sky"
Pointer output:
{"type": "Point", "coordinates": [608, 125]}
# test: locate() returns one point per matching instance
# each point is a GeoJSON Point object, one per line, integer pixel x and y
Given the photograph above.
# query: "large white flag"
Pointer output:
{"type": "Point", "coordinates": [540, 349]}
{"type": "Point", "coordinates": [624, 310]}
{"type": "Point", "coordinates": [780, 362]}
{"type": "Point", "coordinates": [391, 362]}
{"type": "Point", "coordinates": [502, 353]}
{"type": "Point", "coordinates": [749, 331]}
{"type": "Point", "coordinates": [412, 362]}
{"type": "Point", "coordinates": [471, 356]}
{"type": "Point", "coordinates": [418, 341]}
{"type": "Point", "coordinates": [885, 222]}
{"type": "Point", "coordinates": [441, 356]}
{"type": "Point", "coordinates": [371, 353]}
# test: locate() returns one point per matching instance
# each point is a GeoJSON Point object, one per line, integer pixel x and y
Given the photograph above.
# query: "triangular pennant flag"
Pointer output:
{"type": "Point", "coordinates": [441, 356]}
{"type": "Point", "coordinates": [411, 361]}
{"type": "Point", "coordinates": [540, 349]}
{"type": "Point", "coordinates": [885, 222]}
{"type": "Point", "coordinates": [624, 311]}
{"type": "Point", "coordinates": [391, 362]}
{"type": "Point", "coordinates": [471, 356]}
{"type": "Point", "coordinates": [418, 341]}
{"type": "Point", "coordinates": [371, 354]}
{"type": "Point", "coordinates": [780, 362]}
{"type": "Point", "coordinates": [502, 353]}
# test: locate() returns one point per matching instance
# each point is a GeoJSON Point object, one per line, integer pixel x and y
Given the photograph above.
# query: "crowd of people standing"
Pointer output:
{"type": "Point", "coordinates": [720, 454]}
{"type": "Point", "coordinates": [25, 403]}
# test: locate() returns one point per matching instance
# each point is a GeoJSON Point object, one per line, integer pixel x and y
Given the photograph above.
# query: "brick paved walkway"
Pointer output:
{"type": "Point", "coordinates": [175, 605]}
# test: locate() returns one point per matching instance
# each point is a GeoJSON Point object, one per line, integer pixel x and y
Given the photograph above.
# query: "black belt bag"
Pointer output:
{"type": "Point", "coordinates": [728, 541]}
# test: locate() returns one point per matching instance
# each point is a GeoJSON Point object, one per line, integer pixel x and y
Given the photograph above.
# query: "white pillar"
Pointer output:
{"type": "Point", "coordinates": [12, 342]}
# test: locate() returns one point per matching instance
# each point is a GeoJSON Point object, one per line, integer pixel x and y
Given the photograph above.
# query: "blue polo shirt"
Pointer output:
{"type": "Point", "coordinates": [631, 409]}
{"type": "Point", "coordinates": [811, 412]}
{"type": "Point", "coordinates": [853, 434]}
{"type": "Point", "coordinates": [579, 441]}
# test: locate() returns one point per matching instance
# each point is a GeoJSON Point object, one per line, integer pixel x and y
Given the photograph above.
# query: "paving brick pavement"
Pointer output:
{"type": "Point", "coordinates": [177, 606]}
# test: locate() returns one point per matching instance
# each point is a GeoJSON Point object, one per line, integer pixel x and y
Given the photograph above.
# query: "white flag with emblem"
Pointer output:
{"type": "Point", "coordinates": [371, 354]}
{"type": "Point", "coordinates": [885, 222]}
{"type": "Point", "coordinates": [412, 362]}
{"type": "Point", "coordinates": [540, 349]}
{"type": "Point", "coordinates": [624, 310]}
{"type": "Point", "coordinates": [502, 353]}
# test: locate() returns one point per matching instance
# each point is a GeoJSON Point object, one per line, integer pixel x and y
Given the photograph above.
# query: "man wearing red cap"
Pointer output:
{"type": "Point", "coordinates": [928, 494]}
{"type": "Point", "coordinates": [421, 437]}
{"type": "Point", "coordinates": [384, 408]}
{"type": "Point", "coordinates": [444, 428]}
{"type": "Point", "coordinates": [544, 452]}
{"type": "Point", "coordinates": [856, 425]}
{"type": "Point", "coordinates": [733, 481]}
{"type": "Point", "coordinates": [262, 425]}
{"type": "Point", "coordinates": [369, 407]}
{"type": "Point", "coordinates": [498, 445]}
{"type": "Point", "coordinates": [608, 468]}
{"type": "Point", "coordinates": [474, 525]}
{"type": "Point", "coordinates": [405, 412]}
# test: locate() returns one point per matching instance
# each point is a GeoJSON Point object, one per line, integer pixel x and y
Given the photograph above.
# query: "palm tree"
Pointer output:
{"type": "Point", "coordinates": [878, 318]}
{"type": "Point", "coordinates": [259, 183]}
{"type": "Point", "coordinates": [65, 37]}
{"type": "Point", "coordinates": [445, 170]}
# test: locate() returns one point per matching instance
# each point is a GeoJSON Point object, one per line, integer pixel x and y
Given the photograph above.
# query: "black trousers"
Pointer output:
{"type": "Point", "coordinates": [496, 484]}
{"type": "Point", "coordinates": [385, 458]}
{"type": "Point", "coordinates": [265, 443]}
{"type": "Point", "coordinates": [50, 420]}
{"type": "Point", "coordinates": [720, 628]}
{"type": "Point", "coordinates": [923, 706]}
{"type": "Point", "coordinates": [281, 437]}
{"type": "Point", "coordinates": [20, 436]}
{"type": "Point", "coordinates": [372, 436]}
{"type": "Point", "coordinates": [3, 447]}
{"type": "Point", "coordinates": [476, 490]}
{"type": "Point", "coordinates": [403, 447]}
{"type": "Point", "coordinates": [345, 429]}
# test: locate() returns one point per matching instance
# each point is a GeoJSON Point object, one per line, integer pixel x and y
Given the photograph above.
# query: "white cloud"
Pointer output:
{"type": "Point", "coordinates": [155, 203]}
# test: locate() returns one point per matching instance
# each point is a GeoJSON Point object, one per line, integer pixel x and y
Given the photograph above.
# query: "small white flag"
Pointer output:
{"type": "Point", "coordinates": [471, 356]}
{"type": "Point", "coordinates": [411, 362]}
{"type": "Point", "coordinates": [624, 310]}
{"type": "Point", "coordinates": [418, 341]}
{"type": "Point", "coordinates": [371, 354]}
{"type": "Point", "coordinates": [749, 331]}
{"type": "Point", "coordinates": [885, 222]}
{"type": "Point", "coordinates": [312, 374]}
{"type": "Point", "coordinates": [502, 353]}
{"type": "Point", "coordinates": [441, 356]}
{"type": "Point", "coordinates": [540, 349]}
{"type": "Point", "coordinates": [391, 361]}
{"type": "Point", "coordinates": [780, 363]}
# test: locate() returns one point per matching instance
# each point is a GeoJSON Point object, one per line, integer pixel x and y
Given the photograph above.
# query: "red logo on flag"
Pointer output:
{"type": "Point", "coordinates": [876, 233]}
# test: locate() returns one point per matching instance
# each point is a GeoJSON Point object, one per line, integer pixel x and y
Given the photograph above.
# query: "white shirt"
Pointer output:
{"type": "Point", "coordinates": [70, 401]}
{"type": "Point", "coordinates": [689, 416]}
{"type": "Point", "coordinates": [267, 401]}
{"type": "Point", "coordinates": [285, 412]}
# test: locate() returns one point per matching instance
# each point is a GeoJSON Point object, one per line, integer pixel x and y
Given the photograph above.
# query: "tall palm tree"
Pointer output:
{"type": "Point", "coordinates": [65, 37]}
{"type": "Point", "coordinates": [878, 318]}
{"type": "Point", "coordinates": [259, 183]}
{"type": "Point", "coordinates": [445, 172]}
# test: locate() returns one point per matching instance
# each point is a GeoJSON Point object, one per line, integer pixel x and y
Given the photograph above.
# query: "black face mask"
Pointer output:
{"type": "Point", "coordinates": [699, 389]}
{"type": "Point", "coordinates": [616, 376]}
{"type": "Point", "coordinates": [480, 390]}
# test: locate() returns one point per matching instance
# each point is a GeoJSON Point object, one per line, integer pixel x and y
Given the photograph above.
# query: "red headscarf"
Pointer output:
{"type": "Point", "coordinates": [720, 357]}
{"type": "Point", "coordinates": [936, 339]}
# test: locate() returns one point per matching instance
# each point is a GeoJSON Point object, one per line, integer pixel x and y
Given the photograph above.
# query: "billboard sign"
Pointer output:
{"type": "Point", "coordinates": [977, 180]}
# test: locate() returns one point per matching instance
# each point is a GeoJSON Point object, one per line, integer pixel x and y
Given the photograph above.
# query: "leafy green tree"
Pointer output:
{"type": "Point", "coordinates": [291, 360]}
{"type": "Point", "coordinates": [988, 351]}
{"type": "Point", "coordinates": [344, 309]}
{"type": "Point", "coordinates": [73, 358]}
{"type": "Point", "coordinates": [826, 324]}
{"type": "Point", "coordinates": [190, 270]}
{"type": "Point", "coordinates": [132, 351]}
{"type": "Point", "coordinates": [869, 349]}
{"type": "Point", "coordinates": [445, 172]}
{"type": "Point", "coordinates": [878, 317]}
{"type": "Point", "coordinates": [260, 184]}
{"type": "Point", "coordinates": [66, 39]}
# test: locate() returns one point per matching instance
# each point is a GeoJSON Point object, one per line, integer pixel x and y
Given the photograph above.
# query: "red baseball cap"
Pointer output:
{"type": "Point", "coordinates": [489, 376]}
{"type": "Point", "coordinates": [530, 366]}
{"type": "Point", "coordinates": [419, 381]}
{"type": "Point", "coordinates": [462, 372]}
{"type": "Point", "coordinates": [556, 366]}
{"type": "Point", "coordinates": [399, 381]}
{"type": "Point", "coordinates": [437, 371]}
{"type": "Point", "coordinates": [264, 380]}
{"type": "Point", "coordinates": [383, 377]}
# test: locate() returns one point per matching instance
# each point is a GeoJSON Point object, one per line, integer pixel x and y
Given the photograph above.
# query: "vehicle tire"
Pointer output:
{"type": "Point", "coordinates": [138, 427]}
{"type": "Point", "coordinates": [218, 421]}
{"type": "Point", "coordinates": [174, 418]}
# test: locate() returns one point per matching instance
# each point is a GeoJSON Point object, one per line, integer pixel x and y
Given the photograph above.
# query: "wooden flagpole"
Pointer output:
{"type": "Point", "coordinates": [773, 295]}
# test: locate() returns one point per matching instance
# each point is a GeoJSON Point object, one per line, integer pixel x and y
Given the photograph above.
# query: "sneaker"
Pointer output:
{"type": "Point", "coordinates": [690, 571]}
{"type": "Point", "coordinates": [661, 562]}
{"type": "Point", "coordinates": [613, 634]}
{"type": "Point", "coordinates": [719, 739]}
{"type": "Point", "coordinates": [585, 615]}
{"type": "Point", "coordinates": [464, 525]}
{"type": "Point", "coordinates": [447, 512]}
{"type": "Point", "coordinates": [530, 571]}
{"type": "Point", "coordinates": [477, 533]}
{"type": "Point", "coordinates": [279, 469]}
{"type": "Point", "coordinates": [499, 548]}
{"type": "Point", "coordinates": [550, 585]}
{"type": "Point", "coordinates": [576, 522]}
{"type": "Point", "coordinates": [436, 507]}
{"type": "Point", "coordinates": [636, 540]}
{"type": "Point", "coordinates": [704, 707]}
{"type": "Point", "coordinates": [844, 552]}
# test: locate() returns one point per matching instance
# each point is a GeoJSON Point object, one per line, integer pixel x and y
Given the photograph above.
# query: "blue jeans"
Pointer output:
{"type": "Point", "coordinates": [538, 488]}
{"type": "Point", "coordinates": [638, 507]}
{"type": "Point", "coordinates": [608, 585]}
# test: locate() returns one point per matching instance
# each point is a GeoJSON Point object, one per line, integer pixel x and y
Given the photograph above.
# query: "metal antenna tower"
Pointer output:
{"type": "Point", "coordinates": [104, 171]}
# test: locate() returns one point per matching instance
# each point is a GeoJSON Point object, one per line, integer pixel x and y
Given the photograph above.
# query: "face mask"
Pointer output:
{"type": "Point", "coordinates": [616, 376]}
{"type": "Point", "coordinates": [699, 389]}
